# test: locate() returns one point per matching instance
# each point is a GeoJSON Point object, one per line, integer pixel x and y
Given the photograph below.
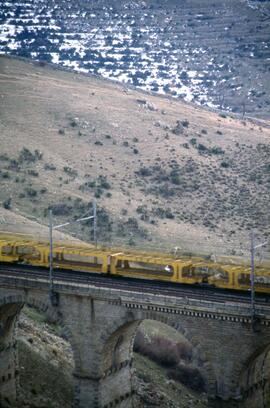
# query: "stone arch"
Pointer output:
{"type": "Point", "coordinates": [10, 307]}
{"type": "Point", "coordinates": [116, 369]}
{"type": "Point", "coordinates": [254, 384]}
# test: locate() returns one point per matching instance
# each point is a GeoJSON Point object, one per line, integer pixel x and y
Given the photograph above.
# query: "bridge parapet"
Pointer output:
{"type": "Point", "coordinates": [234, 311]}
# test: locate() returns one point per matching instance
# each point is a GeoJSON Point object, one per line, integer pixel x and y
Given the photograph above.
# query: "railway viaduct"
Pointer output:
{"type": "Point", "coordinates": [101, 324]}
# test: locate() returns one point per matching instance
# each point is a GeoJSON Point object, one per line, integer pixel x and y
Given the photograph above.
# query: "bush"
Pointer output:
{"type": "Point", "coordinates": [49, 166]}
{"type": "Point", "coordinates": [71, 172]}
{"type": "Point", "coordinates": [4, 157]}
{"type": "Point", "coordinates": [189, 376]}
{"type": "Point", "coordinates": [26, 155]}
{"type": "Point", "coordinates": [202, 148]}
{"type": "Point", "coordinates": [222, 115]}
{"type": "Point", "coordinates": [14, 165]}
{"type": "Point", "coordinates": [7, 204]}
{"type": "Point", "coordinates": [225, 164]}
{"type": "Point", "coordinates": [216, 150]}
{"type": "Point", "coordinates": [4, 174]}
{"type": "Point", "coordinates": [185, 123]}
{"type": "Point", "coordinates": [162, 350]}
{"type": "Point", "coordinates": [103, 183]}
{"type": "Point", "coordinates": [175, 177]}
{"type": "Point", "coordinates": [60, 209]}
{"type": "Point", "coordinates": [165, 191]}
{"type": "Point", "coordinates": [144, 172]}
{"type": "Point", "coordinates": [33, 173]}
{"type": "Point", "coordinates": [31, 192]}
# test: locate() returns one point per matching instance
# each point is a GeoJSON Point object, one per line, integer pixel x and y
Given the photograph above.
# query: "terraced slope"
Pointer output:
{"type": "Point", "coordinates": [164, 173]}
{"type": "Point", "coordinates": [214, 53]}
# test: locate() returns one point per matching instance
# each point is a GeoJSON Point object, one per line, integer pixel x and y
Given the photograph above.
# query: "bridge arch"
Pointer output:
{"type": "Point", "coordinates": [255, 378]}
{"type": "Point", "coordinates": [10, 308]}
{"type": "Point", "coordinates": [117, 370]}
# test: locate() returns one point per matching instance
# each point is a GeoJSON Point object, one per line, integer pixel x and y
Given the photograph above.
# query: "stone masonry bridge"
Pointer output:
{"type": "Point", "coordinates": [101, 325]}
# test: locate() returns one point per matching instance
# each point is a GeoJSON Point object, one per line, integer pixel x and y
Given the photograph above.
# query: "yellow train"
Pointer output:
{"type": "Point", "coordinates": [20, 249]}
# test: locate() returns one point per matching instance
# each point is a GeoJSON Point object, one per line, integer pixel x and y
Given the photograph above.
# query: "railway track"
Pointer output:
{"type": "Point", "coordinates": [197, 292]}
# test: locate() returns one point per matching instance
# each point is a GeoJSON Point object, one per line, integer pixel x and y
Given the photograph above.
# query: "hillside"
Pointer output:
{"type": "Point", "coordinates": [213, 53]}
{"type": "Point", "coordinates": [164, 173]}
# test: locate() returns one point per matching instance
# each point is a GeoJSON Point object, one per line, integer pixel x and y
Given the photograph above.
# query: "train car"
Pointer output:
{"type": "Point", "coordinates": [147, 267]}
{"type": "Point", "coordinates": [80, 258]}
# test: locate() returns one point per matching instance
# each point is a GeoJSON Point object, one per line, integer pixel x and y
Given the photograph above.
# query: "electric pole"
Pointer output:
{"type": "Point", "coordinates": [252, 275]}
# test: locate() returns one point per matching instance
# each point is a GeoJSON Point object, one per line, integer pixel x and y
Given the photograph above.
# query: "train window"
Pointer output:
{"type": "Point", "coordinates": [29, 252]}
{"type": "Point", "coordinates": [187, 271]}
{"type": "Point", "coordinates": [81, 259]}
{"type": "Point", "coordinates": [244, 279]}
{"type": "Point", "coordinates": [7, 250]}
{"type": "Point", "coordinates": [262, 281]}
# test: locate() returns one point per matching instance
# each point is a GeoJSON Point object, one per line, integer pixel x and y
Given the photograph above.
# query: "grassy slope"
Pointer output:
{"type": "Point", "coordinates": [45, 363]}
{"type": "Point", "coordinates": [190, 198]}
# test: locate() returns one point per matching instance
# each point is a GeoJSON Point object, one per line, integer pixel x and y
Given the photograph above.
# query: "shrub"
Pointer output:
{"type": "Point", "coordinates": [202, 148]}
{"type": "Point", "coordinates": [225, 164]}
{"type": "Point", "coordinates": [189, 376]}
{"type": "Point", "coordinates": [141, 209]}
{"type": "Point", "coordinates": [4, 157]}
{"type": "Point", "coordinates": [162, 350]}
{"type": "Point", "coordinates": [31, 192]}
{"type": "Point", "coordinates": [26, 155]}
{"type": "Point", "coordinates": [61, 131]}
{"type": "Point", "coordinates": [165, 191]}
{"type": "Point", "coordinates": [5, 174]}
{"type": "Point", "coordinates": [103, 182]}
{"type": "Point", "coordinates": [193, 141]}
{"type": "Point", "coordinates": [144, 172]}
{"type": "Point", "coordinates": [216, 150]}
{"type": "Point", "coordinates": [98, 143]}
{"type": "Point", "coordinates": [71, 172]}
{"type": "Point", "coordinates": [204, 131]}
{"type": "Point", "coordinates": [175, 177]}
{"type": "Point", "coordinates": [7, 204]}
{"type": "Point", "coordinates": [135, 151]}
{"type": "Point", "coordinates": [14, 165]}
{"type": "Point", "coordinates": [73, 123]}
{"type": "Point", "coordinates": [222, 115]}
{"type": "Point", "coordinates": [33, 173]}
{"type": "Point", "coordinates": [185, 123]}
{"type": "Point", "coordinates": [49, 166]}
{"type": "Point", "coordinates": [60, 209]}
